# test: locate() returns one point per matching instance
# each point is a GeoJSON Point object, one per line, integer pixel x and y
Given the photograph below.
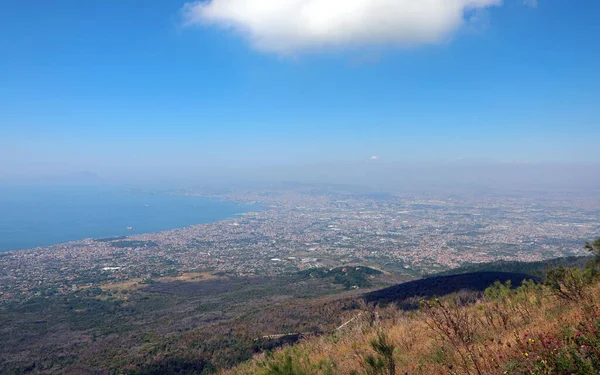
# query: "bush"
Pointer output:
{"type": "Point", "coordinates": [568, 283]}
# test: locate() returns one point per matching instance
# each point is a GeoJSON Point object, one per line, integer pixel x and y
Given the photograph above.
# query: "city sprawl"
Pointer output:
{"type": "Point", "coordinates": [306, 227]}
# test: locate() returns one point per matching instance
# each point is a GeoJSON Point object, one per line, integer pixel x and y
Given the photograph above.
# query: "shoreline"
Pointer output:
{"type": "Point", "coordinates": [256, 207]}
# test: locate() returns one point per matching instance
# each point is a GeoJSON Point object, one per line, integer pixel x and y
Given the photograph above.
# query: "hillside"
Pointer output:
{"type": "Point", "coordinates": [407, 295]}
{"type": "Point", "coordinates": [200, 323]}
{"type": "Point", "coordinates": [351, 277]}
{"type": "Point", "coordinates": [528, 330]}
{"type": "Point", "coordinates": [193, 323]}
{"type": "Point", "coordinates": [538, 268]}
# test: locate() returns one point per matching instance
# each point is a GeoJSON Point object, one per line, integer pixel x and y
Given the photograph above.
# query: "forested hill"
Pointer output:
{"type": "Point", "coordinates": [473, 277]}
{"type": "Point", "coordinates": [407, 295]}
{"type": "Point", "coordinates": [531, 268]}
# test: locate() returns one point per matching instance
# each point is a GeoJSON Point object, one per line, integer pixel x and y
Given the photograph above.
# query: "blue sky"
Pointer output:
{"type": "Point", "coordinates": [116, 86]}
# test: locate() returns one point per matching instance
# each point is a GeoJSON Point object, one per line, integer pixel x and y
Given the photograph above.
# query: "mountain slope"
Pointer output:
{"type": "Point", "coordinates": [442, 285]}
{"type": "Point", "coordinates": [527, 330]}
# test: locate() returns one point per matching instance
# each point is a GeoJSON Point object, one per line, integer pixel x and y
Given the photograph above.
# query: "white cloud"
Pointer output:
{"type": "Point", "coordinates": [531, 3]}
{"type": "Point", "coordinates": [374, 157]}
{"type": "Point", "coordinates": [287, 26]}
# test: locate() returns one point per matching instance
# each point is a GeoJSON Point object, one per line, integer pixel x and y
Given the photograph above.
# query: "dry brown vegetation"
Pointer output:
{"type": "Point", "coordinates": [532, 329]}
{"type": "Point", "coordinates": [188, 324]}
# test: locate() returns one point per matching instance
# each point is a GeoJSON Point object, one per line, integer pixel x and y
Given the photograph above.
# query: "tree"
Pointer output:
{"type": "Point", "coordinates": [594, 248]}
{"type": "Point", "coordinates": [571, 283]}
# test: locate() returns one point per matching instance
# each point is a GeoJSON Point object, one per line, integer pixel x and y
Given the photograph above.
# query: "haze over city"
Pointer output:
{"type": "Point", "coordinates": [299, 187]}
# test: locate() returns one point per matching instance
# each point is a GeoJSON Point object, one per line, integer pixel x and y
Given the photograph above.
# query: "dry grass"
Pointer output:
{"type": "Point", "coordinates": [507, 332]}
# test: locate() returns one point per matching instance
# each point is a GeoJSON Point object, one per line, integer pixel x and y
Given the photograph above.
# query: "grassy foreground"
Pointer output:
{"type": "Point", "coordinates": [550, 328]}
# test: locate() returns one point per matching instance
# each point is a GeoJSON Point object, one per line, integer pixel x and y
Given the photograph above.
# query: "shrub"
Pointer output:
{"type": "Point", "coordinates": [383, 363]}
{"type": "Point", "coordinates": [568, 283]}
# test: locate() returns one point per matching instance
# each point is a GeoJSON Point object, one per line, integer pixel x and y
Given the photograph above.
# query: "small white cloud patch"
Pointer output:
{"type": "Point", "coordinates": [287, 26]}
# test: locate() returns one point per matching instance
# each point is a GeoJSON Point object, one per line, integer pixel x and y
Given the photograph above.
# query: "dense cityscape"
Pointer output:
{"type": "Point", "coordinates": [304, 227]}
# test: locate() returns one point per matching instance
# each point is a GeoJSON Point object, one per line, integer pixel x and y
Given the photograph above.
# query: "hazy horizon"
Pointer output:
{"type": "Point", "coordinates": [375, 174]}
{"type": "Point", "coordinates": [222, 90]}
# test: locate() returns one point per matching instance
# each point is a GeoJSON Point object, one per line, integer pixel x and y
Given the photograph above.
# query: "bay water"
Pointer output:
{"type": "Point", "coordinates": [42, 216]}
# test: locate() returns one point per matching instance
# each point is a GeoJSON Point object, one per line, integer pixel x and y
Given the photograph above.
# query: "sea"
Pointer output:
{"type": "Point", "coordinates": [43, 216]}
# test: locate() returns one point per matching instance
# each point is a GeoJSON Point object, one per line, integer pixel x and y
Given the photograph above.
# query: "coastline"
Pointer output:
{"type": "Point", "coordinates": [233, 209]}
